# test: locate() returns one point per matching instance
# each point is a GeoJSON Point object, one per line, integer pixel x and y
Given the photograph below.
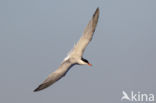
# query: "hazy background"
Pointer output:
{"type": "Point", "coordinates": [35, 36]}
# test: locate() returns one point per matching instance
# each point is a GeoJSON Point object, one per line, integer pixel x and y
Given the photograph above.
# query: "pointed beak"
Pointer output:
{"type": "Point", "coordinates": [89, 64]}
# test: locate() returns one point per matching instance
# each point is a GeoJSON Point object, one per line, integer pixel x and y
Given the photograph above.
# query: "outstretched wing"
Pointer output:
{"type": "Point", "coordinates": [87, 35]}
{"type": "Point", "coordinates": [56, 75]}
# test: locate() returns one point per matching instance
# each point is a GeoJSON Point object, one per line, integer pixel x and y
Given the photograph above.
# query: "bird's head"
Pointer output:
{"type": "Point", "coordinates": [85, 61]}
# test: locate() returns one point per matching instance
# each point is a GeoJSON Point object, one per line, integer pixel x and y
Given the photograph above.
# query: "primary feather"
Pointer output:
{"type": "Point", "coordinates": [87, 35]}
{"type": "Point", "coordinates": [56, 75]}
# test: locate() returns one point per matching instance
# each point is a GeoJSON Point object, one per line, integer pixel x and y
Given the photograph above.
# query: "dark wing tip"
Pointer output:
{"type": "Point", "coordinates": [97, 9]}
{"type": "Point", "coordinates": [40, 87]}
{"type": "Point", "coordinates": [95, 19]}
{"type": "Point", "coordinates": [35, 90]}
{"type": "Point", "coordinates": [96, 12]}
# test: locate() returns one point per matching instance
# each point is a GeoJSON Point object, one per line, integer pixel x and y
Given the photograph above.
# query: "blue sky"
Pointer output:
{"type": "Point", "coordinates": [36, 35]}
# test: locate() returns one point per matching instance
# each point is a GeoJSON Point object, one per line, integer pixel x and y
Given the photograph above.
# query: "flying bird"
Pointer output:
{"type": "Point", "coordinates": [75, 56]}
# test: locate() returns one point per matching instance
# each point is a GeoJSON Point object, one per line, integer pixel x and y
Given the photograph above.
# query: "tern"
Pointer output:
{"type": "Point", "coordinates": [75, 56]}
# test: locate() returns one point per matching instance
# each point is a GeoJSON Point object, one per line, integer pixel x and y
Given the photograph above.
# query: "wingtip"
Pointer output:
{"type": "Point", "coordinates": [40, 87]}
{"type": "Point", "coordinates": [96, 13]}
{"type": "Point", "coordinates": [97, 10]}
{"type": "Point", "coordinates": [36, 90]}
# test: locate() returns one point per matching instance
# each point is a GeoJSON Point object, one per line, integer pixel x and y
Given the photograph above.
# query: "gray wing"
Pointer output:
{"type": "Point", "coordinates": [56, 75]}
{"type": "Point", "coordinates": [87, 35]}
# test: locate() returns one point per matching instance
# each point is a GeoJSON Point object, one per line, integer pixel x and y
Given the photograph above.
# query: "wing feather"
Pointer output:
{"type": "Point", "coordinates": [87, 35]}
{"type": "Point", "coordinates": [56, 75]}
